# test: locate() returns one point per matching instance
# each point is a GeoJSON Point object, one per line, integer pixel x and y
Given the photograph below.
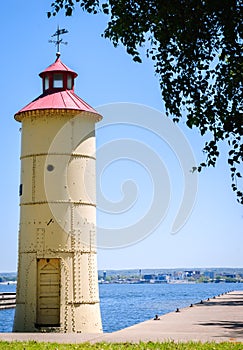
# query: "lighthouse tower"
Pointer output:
{"type": "Point", "coordinates": [57, 287]}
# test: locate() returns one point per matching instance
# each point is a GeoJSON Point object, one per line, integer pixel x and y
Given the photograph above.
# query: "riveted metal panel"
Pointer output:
{"type": "Point", "coordinates": [81, 179]}
{"type": "Point", "coordinates": [85, 278]}
{"type": "Point", "coordinates": [85, 238]}
{"type": "Point", "coordinates": [26, 180]}
{"type": "Point", "coordinates": [83, 135]}
{"type": "Point", "coordinates": [25, 312]}
{"type": "Point", "coordinates": [47, 127]}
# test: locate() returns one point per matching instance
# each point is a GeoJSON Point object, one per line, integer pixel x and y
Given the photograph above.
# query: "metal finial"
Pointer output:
{"type": "Point", "coordinates": [58, 41]}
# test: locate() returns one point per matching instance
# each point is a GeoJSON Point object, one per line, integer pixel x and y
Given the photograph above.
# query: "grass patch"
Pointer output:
{"type": "Point", "coordinates": [32, 345]}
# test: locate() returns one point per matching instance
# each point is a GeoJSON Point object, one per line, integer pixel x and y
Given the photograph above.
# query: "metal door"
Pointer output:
{"type": "Point", "coordinates": [48, 290]}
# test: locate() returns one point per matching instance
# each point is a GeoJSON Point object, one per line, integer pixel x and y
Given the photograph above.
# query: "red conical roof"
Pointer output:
{"type": "Point", "coordinates": [59, 100]}
{"type": "Point", "coordinates": [58, 66]}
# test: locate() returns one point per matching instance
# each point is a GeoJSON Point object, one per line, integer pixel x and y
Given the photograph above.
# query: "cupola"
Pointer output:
{"type": "Point", "coordinates": [57, 77]}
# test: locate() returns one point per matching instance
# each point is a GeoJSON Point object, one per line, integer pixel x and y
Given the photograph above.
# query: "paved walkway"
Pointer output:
{"type": "Point", "coordinates": [219, 319]}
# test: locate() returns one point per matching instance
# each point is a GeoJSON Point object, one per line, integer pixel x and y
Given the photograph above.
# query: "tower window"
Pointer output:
{"type": "Point", "coordinates": [46, 85]}
{"type": "Point", "coordinates": [58, 80]}
{"type": "Point", "coordinates": [69, 82]}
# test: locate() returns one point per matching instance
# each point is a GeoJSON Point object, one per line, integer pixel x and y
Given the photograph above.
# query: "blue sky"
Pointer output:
{"type": "Point", "coordinates": [212, 235]}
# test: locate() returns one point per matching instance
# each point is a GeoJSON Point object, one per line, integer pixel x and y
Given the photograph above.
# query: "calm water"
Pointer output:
{"type": "Point", "coordinates": [123, 305]}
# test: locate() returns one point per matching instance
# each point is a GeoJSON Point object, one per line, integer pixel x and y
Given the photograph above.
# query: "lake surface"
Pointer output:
{"type": "Point", "coordinates": [123, 305]}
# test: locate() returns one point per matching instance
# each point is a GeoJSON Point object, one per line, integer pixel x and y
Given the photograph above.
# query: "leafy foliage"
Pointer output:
{"type": "Point", "coordinates": [196, 47]}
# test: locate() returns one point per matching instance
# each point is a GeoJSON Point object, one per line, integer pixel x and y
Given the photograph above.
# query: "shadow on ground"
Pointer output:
{"type": "Point", "coordinates": [233, 329]}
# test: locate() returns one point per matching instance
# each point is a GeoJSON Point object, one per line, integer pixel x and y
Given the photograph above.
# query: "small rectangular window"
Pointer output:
{"type": "Point", "coordinates": [46, 83]}
{"type": "Point", "coordinates": [58, 81]}
{"type": "Point", "coordinates": [20, 189]}
{"type": "Point", "coordinates": [69, 82]}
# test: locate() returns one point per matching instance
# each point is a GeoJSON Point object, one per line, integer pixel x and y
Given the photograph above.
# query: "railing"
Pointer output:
{"type": "Point", "coordinates": [7, 300]}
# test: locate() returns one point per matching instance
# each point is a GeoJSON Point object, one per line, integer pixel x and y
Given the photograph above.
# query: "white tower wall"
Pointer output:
{"type": "Point", "coordinates": [57, 286]}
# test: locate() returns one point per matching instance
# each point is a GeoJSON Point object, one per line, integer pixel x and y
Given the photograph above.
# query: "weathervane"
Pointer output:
{"type": "Point", "coordinates": [58, 41]}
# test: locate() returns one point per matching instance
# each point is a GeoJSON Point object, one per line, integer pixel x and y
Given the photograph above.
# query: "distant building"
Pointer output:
{"type": "Point", "coordinates": [229, 275]}
{"type": "Point", "coordinates": [149, 277]}
{"type": "Point", "coordinates": [209, 274]}
{"type": "Point", "coordinates": [161, 278]}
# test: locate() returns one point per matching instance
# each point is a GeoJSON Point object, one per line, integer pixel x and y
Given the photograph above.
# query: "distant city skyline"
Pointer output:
{"type": "Point", "coordinates": [213, 233]}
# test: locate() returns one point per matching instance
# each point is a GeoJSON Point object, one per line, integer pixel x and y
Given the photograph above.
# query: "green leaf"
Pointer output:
{"type": "Point", "coordinates": [69, 11]}
{"type": "Point", "coordinates": [137, 59]}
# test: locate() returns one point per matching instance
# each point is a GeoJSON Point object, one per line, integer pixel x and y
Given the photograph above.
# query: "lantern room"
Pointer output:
{"type": "Point", "coordinates": [57, 77]}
